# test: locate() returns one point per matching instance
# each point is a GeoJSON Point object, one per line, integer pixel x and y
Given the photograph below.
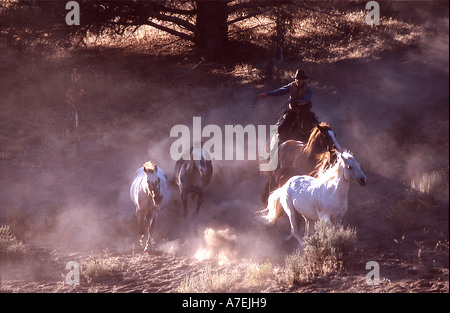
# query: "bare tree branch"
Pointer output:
{"type": "Point", "coordinates": [251, 5]}
{"type": "Point", "coordinates": [171, 31]}
{"type": "Point", "coordinates": [176, 20]}
{"type": "Point", "coordinates": [250, 15]}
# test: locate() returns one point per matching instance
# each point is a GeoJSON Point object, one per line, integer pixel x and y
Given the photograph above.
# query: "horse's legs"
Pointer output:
{"type": "Point", "coordinates": [298, 224]}
{"type": "Point", "coordinates": [306, 232]}
{"type": "Point", "coordinates": [293, 219]}
{"type": "Point", "coordinates": [199, 200]}
{"type": "Point", "coordinates": [337, 221]}
{"type": "Point", "coordinates": [294, 229]}
{"type": "Point", "coordinates": [311, 226]}
{"type": "Point", "coordinates": [141, 221]}
{"type": "Point", "coordinates": [184, 199]}
{"type": "Point", "coordinates": [150, 229]}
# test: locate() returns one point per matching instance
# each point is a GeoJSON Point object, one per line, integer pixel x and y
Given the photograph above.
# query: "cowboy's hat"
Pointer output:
{"type": "Point", "coordinates": [300, 74]}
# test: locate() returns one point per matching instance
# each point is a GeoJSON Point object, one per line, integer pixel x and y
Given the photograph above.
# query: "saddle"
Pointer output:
{"type": "Point", "coordinates": [300, 106]}
{"type": "Point", "coordinates": [297, 122]}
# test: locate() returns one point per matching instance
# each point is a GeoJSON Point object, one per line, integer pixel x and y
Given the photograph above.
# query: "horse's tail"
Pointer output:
{"type": "Point", "coordinates": [274, 208]}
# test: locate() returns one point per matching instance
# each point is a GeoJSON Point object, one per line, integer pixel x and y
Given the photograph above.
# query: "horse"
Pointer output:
{"type": "Point", "coordinates": [282, 174]}
{"type": "Point", "coordinates": [150, 194]}
{"type": "Point", "coordinates": [301, 126]}
{"type": "Point", "coordinates": [192, 174]}
{"type": "Point", "coordinates": [324, 197]}
{"type": "Point", "coordinates": [302, 155]}
{"type": "Point", "coordinates": [303, 159]}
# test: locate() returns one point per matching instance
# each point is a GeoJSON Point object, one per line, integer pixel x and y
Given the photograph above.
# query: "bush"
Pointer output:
{"type": "Point", "coordinates": [9, 245]}
{"type": "Point", "coordinates": [325, 253]}
{"type": "Point", "coordinates": [96, 270]}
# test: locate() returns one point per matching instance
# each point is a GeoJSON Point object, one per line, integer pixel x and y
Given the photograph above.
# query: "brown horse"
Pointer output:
{"type": "Point", "coordinates": [302, 155]}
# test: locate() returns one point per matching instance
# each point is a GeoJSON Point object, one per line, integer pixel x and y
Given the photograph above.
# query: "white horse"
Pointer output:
{"type": "Point", "coordinates": [150, 194]}
{"type": "Point", "coordinates": [315, 198]}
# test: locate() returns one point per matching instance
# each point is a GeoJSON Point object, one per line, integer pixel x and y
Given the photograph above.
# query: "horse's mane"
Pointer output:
{"type": "Point", "coordinates": [314, 136]}
{"type": "Point", "coordinates": [198, 154]}
{"type": "Point", "coordinates": [150, 167]}
{"type": "Point", "coordinates": [333, 171]}
{"type": "Point", "coordinates": [323, 161]}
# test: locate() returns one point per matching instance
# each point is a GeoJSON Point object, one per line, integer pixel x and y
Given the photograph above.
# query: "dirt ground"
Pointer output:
{"type": "Point", "coordinates": [68, 201]}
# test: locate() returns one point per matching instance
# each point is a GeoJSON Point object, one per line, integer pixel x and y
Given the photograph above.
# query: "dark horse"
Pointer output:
{"type": "Point", "coordinates": [296, 124]}
{"type": "Point", "coordinates": [191, 175]}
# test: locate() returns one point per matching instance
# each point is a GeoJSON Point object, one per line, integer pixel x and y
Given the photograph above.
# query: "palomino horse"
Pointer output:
{"type": "Point", "coordinates": [192, 174]}
{"type": "Point", "coordinates": [150, 193]}
{"type": "Point", "coordinates": [316, 198]}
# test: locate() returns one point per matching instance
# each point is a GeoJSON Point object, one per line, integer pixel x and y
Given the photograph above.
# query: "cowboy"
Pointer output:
{"type": "Point", "coordinates": [300, 99]}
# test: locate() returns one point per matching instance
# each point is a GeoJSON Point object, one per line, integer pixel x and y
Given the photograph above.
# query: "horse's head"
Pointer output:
{"type": "Point", "coordinates": [323, 138]}
{"type": "Point", "coordinates": [352, 170]}
{"type": "Point", "coordinates": [198, 156]}
{"type": "Point", "coordinates": [153, 182]}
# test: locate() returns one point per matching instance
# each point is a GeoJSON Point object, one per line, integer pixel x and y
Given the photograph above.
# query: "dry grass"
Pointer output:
{"type": "Point", "coordinates": [244, 277]}
{"type": "Point", "coordinates": [96, 269]}
{"type": "Point", "coordinates": [319, 37]}
{"type": "Point", "coordinates": [258, 273]}
{"type": "Point", "coordinates": [209, 280]}
{"type": "Point", "coordinates": [9, 245]}
{"type": "Point", "coordinates": [434, 183]}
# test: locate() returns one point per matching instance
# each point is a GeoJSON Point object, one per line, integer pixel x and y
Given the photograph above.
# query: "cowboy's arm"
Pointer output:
{"type": "Point", "coordinates": [280, 91]}
{"type": "Point", "coordinates": [277, 92]}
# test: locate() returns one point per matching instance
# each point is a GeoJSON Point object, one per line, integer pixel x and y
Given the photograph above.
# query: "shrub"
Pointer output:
{"type": "Point", "coordinates": [324, 253]}
{"type": "Point", "coordinates": [96, 270]}
{"type": "Point", "coordinates": [9, 245]}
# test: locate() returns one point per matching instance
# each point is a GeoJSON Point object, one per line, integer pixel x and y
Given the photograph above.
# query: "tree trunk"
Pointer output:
{"type": "Point", "coordinates": [212, 28]}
